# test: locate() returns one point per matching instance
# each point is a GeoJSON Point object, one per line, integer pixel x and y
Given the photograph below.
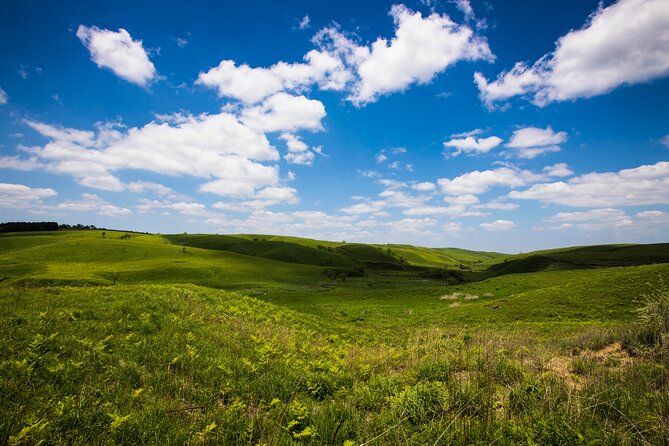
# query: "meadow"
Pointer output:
{"type": "Point", "coordinates": [125, 338]}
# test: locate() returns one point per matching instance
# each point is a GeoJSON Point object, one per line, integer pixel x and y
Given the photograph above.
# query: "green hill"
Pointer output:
{"type": "Point", "coordinates": [282, 251]}
{"type": "Point", "coordinates": [133, 339]}
{"type": "Point", "coordinates": [338, 254]}
{"type": "Point", "coordinates": [599, 256]}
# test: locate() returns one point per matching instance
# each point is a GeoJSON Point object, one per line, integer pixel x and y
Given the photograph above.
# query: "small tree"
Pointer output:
{"type": "Point", "coordinates": [104, 234]}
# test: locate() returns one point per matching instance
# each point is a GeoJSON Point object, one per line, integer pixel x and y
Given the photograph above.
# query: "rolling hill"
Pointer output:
{"type": "Point", "coordinates": [147, 339]}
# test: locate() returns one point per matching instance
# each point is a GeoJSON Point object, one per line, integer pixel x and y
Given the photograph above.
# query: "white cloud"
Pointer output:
{"type": "Point", "coordinates": [62, 134]}
{"type": "Point", "coordinates": [369, 173]}
{"type": "Point", "coordinates": [529, 142]}
{"type": "Point", "coordinates": [215, 147]}
{"type": "Point", "coordinates": [421, 48]}
{"type": "Point", "coordinates": [187, 208]}
{"type": "Point", "coordinates": [284, 112]}
{"type": "Point", "coordinates": [119, 52]}
{"type": "Point", "coordinates": [380, 157]}
{"type": "Point", "coordinates": [16, 163]}
{"type": "Point", "coordinates": [471, 144]}
{"type": "Point", "coordinates": [466, 8]}
{"type": "Point", "coordinates": [474, 132]}
{"type": "Point", "coordinates": [298, 151]}
{"type": "Point", "coordinates": [3, 97]}
{"type": "Point", "coordinates": [643, 185]}
{"type": "Point", "coordinates": [665, 140]}
{"type": "Point", "coordinates": [425, 186]}
{"type": "Point", "coordinates": [455, 210]}
{"type": "Point", "coordinates": [498, 204]}
{"type": "Point", "coordinates": [93, 203]}
{"type": "Point", "coordinates": [498, 225]}
{"type": "Point", "coordinates": [19, 196]}
{"type": "Point", "coordinates": [251, 85]}
{"type": "Point", "coordinates": [139, 187]}
{"type": "Point", "coordinates": [623, 44]}
{"type": "Point", "coordinates": [399, 150]}
{"type": "Point", "coordinates": [367, 207]}
{"type": "Point", "coordinates": [305, 22]}
{"type": "Point", "coordinates": [452, 226]}
{"type": "Point", "coordinates": [268, 196]}
{"type": "Point", "coordinates": [593, 219]}
{"type": "Point", "coordinates": [653, 215]}
{"type": "Point", "coordinates": [464, 199]}
{"type": "Point", "coordinates": [535, 137]}
{"type": "Point", "coordinates": [478, 182]}
{"type": "Point", "coordinates": [558, 170]}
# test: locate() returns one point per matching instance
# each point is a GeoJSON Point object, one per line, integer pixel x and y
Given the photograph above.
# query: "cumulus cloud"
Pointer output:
{"type": "Point", "coordinates": [424, 186]}
{"type": "Point", "coordinates": [590, 220]}
{"type": "Point", "coordinates": [530, 142]}
{"type": "Point", "coordinates": [498, 225]}
{"type": "Point", "coordinates": [93, 203]}
{"type": "Point", "coordinates": [161, 190]}
{"type": "Point", "coordinates": [284, 112]}
{"type": "Point", "coordinates": [421, 48]}
{"type": "Point", "coordinates": [471, 144]}
{"type": "Point", "coordinates": [231, 152]}
{"type": "Point", "coordinates": [20, 196]}
{"type": "Point", "coordinates": [643, 185]}
{"type": "Point", "coordinates": [558, 170]}
{"type": "Point", "coordinates": [202, 146]}
{"type": "Point", "coordinates": [623, 44]}
{"type": "Point", "coordinates": [186, 208]}
{"type": "Point", "coordinates": [3, 97]}
{"type": "Point", "coordinates": [298, 151]}
{"type": "Point", "coordinates": [118, 52]}
{"type": "Point", "coordinates": [478, 182]}
{"type": "Point", "coordinates": [452, 226]}
{"type": "Point", "coordinates": [368, 207]}
{"type": "Point", "coordinates": [252, 85]}
{"type": "Point", "coordinates": [268, 196]}
{"type": "Point", "coordinates": [17, 163]}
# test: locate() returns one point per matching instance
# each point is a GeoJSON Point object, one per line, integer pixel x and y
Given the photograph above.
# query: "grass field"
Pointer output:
{"type": "Point", "coordinates": [248, 339]}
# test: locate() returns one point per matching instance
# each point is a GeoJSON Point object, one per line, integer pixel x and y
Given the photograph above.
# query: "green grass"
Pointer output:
{"type": "Point", "coordinates": [292, 249]}
{"type": "Point", "coordinates": [205, 345]}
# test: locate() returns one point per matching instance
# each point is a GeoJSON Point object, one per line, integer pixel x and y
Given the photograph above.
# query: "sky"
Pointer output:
{"type": "Point", "coordinates": [490, 125]}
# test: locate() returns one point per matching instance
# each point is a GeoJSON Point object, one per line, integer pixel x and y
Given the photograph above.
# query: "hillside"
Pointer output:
{"type": "Point", "coordinates": [132, 339]}
{"type": "Point", "coordinates": [320, 252]}
{"type": "Point", "coordinates": [581, 257]}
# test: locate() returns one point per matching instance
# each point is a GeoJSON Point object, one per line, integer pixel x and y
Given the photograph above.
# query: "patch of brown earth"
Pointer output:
{"type": "Point", "coordinates": [613, 357]}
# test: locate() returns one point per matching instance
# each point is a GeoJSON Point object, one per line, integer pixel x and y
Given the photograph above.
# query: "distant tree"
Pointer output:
{"type": "Point", "coordinates": [104, 234]}
{"type": "Point", "coordinates": [115, 276]}
{"type": "Point", "coordinates": [22, 226]}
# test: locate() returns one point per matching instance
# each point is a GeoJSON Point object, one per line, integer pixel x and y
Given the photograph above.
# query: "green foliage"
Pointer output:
{"type": "Point", "coordinates": [210, 346]}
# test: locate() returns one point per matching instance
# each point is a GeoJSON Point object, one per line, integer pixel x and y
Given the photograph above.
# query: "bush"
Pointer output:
{"type": "Point", "coordinates": [655, 313]}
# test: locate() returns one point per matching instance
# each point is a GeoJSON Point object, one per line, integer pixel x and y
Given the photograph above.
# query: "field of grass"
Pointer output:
{"type": "Point", "coordinates": [182, 340]}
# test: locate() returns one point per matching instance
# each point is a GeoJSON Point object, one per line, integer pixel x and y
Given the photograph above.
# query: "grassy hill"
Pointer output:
{"type": "Point", "coordinates": [205, 340]}
{"type": "Point", "coordinates": [599, 256]}
{"type": "Point", "coordinates": [320, 252]}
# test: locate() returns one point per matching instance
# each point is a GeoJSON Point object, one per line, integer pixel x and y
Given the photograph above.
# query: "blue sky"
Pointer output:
{"type": "Point", "coordinates": [500, 125]}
